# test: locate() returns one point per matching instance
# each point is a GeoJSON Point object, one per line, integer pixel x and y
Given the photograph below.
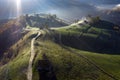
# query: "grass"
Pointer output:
{"type": "Point", "coordinates": [91, 35]}
{"type": "Point", "coordinates": [85, 29]}
{"type": "Point", "coordinates": [75, 28]}
{"type": "Point", "coordinates": [110, 63]}
{"type": "Point", "coordinates": [14, 49]}
{"type": "Point", "coordinates": [67, 65]}
{"type": "Point", "coordinates": [16, 68]}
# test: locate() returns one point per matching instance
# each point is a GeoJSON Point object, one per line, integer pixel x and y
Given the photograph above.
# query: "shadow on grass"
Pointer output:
{"type": "Point", "coordinates": [45, 69]}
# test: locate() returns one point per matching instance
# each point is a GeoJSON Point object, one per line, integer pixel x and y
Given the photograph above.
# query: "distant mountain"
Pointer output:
{"type": "Point", "coordinates": [2, 21]}
{"type": "Point", "coordinates": [112, 15]}
{"type": "Point", "coordinates": [41, 20]}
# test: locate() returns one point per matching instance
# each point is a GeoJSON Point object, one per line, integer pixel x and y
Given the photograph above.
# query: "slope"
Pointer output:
{"type": "Point", "coordinates": [69, 62]}
{"type": "Point", "coordinates": [66, 64]}
{"type": "Point", "coordinates": [100, 36]}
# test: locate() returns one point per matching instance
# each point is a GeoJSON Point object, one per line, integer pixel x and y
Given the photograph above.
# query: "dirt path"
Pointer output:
{"type": "Point", "coordinates": [29, 73]}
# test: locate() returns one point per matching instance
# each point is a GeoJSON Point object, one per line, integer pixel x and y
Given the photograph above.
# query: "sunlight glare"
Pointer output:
{"type": "Point", "coordinates": [118, 5]}
{"type": "Point", "coordinates": [18, 5]}
{"type": "Point", "coordinates": [18, 2]}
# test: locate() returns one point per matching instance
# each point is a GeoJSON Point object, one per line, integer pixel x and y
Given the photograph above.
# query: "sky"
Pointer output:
{"type": "Point", "coordinates": [67, 9]}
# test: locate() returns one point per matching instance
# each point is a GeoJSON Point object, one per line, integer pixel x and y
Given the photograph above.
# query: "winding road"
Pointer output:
{"type": "Point", "coordinates": [29, 73]}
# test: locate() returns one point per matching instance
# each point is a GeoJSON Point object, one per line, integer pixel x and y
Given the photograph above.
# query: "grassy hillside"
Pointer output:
{"type": "Point", "coordinates": [16, 67]}
{"type": "Point", "coordinates": [109, 63]}
{"type": "Point", "coordinates": [102, 36]}
{"type": "Point", "coordinates": [10, 33]}
{"type": "Point", "coordinates": [72, 51]}
{"type": "Point", "coordinates": [67, 65]}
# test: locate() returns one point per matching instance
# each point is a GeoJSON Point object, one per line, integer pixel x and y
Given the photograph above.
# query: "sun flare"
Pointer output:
{"type": "Point", "coordinates": [18, 2]}
{"type": "Point", "coordinates": [18, 5]}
